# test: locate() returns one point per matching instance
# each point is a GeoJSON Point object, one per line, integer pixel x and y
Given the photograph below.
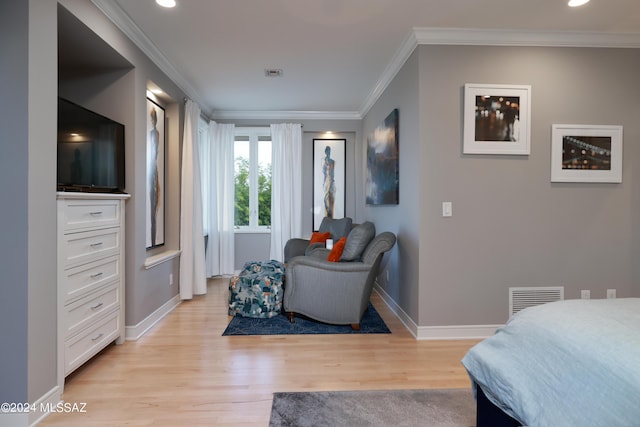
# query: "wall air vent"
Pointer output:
{"type": "Point", "coordinates": [521, 298]}
{"type": "Point", "coordinates": [273, 72]}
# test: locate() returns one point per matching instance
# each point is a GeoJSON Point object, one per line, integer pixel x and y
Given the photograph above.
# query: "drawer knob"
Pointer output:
{"type": "Point", "coordinates": [95, 276]}
{"type": "Point", "coordinates": [95, 213]}
{"type": "Point", "coordinates": [97, 338]}
{"type": "Point", "coordinates": [97, 306]}
{"type": "Point", "coordinates": [96, 244]}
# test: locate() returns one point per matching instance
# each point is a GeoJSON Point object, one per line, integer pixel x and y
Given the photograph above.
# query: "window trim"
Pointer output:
{"type": "Point", "coordinates": [254, 134]}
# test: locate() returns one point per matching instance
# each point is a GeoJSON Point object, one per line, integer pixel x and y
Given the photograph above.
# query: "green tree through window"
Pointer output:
{"type": "Point", "coordinates": [252, 204]}
{"type": "Point", "coordinates": [242, 192]}
{"type": "Point", "coordinates": [264, 195]}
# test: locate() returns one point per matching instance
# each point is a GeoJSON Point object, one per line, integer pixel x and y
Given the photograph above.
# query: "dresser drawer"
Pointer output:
{"type": "Point", "coordinates": [80, 248]}
{"type": "Point", "coordinates": [82, 347]}
{"type": "Point", "coordinates": [82, 312]}
{"type": "Point", "coordinates": [84, 214]}
{"type": "Point", "coordinates": [87, 277]}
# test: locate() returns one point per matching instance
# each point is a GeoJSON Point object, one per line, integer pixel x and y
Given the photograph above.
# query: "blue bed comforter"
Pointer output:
{"type": "Point", "coordinates": [566, 363]}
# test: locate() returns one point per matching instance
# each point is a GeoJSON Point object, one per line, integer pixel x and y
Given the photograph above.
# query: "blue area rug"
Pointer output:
{"type": "Point", "coordinates": [371, 323]}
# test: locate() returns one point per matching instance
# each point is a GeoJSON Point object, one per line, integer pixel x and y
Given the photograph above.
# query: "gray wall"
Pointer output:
{"type": "Point", "coordinates": [28, 291]}
{"type": "Point", "coordinates": [42, 200]}
{"type": "Point", "coordinates": [14, 169]}
{"type": "Point", "coordinates": [511, 226]}
{"type": "Point", "coordinates": [403, 219]}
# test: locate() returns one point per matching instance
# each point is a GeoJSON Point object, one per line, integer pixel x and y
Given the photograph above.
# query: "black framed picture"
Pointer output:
{"type": "Point", "coordinates": [155, 174]}
{"type": "Point", "coordinates": [329, 169]}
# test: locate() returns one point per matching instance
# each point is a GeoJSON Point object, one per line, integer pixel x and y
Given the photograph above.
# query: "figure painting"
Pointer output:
{"type": "Point", "coordinates": [155, 174]}
{"type": "Point", "coordinates": [328, 179]}
{"type": "Point", "coordinates": [329, 182]}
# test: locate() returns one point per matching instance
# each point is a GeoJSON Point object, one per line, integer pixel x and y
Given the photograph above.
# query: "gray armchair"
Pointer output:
{"type": "Point", "coordinates": [337, 227]}
{"type": "Point", "coordinates": [334, 292]}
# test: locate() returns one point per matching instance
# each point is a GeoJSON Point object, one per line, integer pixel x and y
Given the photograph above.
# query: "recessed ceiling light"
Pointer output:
{"type": "Point", "coordinates": [576, 3]}
{"type": "Point", "coordinates": [166, 3]}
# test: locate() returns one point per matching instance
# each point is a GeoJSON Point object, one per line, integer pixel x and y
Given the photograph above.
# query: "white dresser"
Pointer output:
{"type": "Point", "coordinates": [90, 276]}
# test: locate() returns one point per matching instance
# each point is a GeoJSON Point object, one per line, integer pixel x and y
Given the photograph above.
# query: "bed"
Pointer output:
{"type": "Point", "coordinates": [566, 363]}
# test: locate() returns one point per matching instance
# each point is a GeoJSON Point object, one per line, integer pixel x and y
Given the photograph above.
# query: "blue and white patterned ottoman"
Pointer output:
{"type": "Point", "coordinates": [257, 290]}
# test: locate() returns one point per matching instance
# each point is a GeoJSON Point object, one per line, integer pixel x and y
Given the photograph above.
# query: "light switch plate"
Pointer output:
{"type": "Point", "coordinates": [447, 209]}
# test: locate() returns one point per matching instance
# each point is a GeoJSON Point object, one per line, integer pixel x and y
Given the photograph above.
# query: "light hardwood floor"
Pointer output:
{"type": "Point", "coordinates": [183, 372]}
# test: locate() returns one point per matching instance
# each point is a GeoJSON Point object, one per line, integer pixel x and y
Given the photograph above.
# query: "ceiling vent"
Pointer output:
{"type": "Point", "coordinates": [273, 72]}
{"type": "Point", "coordinates": [521, 298]}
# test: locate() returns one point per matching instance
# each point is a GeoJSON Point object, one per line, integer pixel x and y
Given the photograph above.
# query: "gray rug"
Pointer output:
{"type": "Point", "coordinates": [441, 408]}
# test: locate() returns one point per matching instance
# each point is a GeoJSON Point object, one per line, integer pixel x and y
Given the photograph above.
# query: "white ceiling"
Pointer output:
{"type": "Point", "coordinates": [336, 55]}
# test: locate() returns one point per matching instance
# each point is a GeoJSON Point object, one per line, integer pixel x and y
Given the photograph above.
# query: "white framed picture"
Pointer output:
{"type": "Point", "coordinates": [586, 153]}
{"type": "Point", "coordinates": [497, 119]}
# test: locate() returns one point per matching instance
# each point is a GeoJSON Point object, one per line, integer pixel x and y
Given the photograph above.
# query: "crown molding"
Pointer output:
{"type": "Point", "coordinates": [285, 115]}
{"type": "Point", "coordinates": [479, 37]}
{"type": "Point", "coordinates": [114, 12]}
{"type": "Point", "coordinates": [401, 55]}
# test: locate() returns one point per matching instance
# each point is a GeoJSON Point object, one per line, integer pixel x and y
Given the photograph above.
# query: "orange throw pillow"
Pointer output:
{"type": "Point", "coordinates": [318, 237]}
{"type": "Point", "coordinates": [336, 252]}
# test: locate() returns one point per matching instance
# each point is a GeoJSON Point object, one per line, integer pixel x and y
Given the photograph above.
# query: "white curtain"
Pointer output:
{"type": "Point", "coordinates": [220, 258]}
{"type": "Point", "coordinates": [286, 188]}
{"type": "Point", "coordinates": [193, 280]}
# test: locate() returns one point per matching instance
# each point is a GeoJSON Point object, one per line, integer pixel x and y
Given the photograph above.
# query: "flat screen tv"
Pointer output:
{"type": "Point", "coordinates": [90, 150]}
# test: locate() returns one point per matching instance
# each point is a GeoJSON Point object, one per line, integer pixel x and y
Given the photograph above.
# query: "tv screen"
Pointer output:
{"type": "Point", "coordinates": [90, 150]}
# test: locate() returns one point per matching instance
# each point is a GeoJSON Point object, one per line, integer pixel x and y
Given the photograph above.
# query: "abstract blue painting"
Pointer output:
{"type": "Point", "coordinates": [382, 182]}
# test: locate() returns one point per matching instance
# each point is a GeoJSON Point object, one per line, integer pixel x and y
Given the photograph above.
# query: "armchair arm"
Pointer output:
{"type": "Point", "coordinates": [295, 247]}
{"type": "Point", "coordinates": [312, 248]}
{"type": "Point", "coordinates": [318, 252]}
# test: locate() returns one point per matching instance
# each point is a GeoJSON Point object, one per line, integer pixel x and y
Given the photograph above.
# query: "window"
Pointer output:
{"type": "Point", "coordinates": [252, 152]}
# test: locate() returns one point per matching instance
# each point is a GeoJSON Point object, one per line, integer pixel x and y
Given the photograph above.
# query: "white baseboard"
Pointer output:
{"type": "Point", "coordinates": [37, 412]}
{"type": "Point", "coordinates": [133, 333]}
{"type": "Point", "coordinates": [457, 332]}
{"type": "Point", "coordinates": [397, 310]}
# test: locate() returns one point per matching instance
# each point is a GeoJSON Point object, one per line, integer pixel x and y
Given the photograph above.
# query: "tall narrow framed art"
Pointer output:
{"type": "Point", "coordinates": [155, 175]}
{"type": "Point", "coordinates": [329, 169]}
{"type": "Point", "coordinates": [382, 186]}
